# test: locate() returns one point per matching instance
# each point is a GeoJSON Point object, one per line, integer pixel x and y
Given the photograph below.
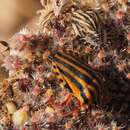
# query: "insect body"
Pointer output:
{"type": "Point", "coordinates": [78, 78]}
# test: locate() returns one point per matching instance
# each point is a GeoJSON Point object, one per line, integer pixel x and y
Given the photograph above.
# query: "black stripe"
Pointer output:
{"type": "Point", "coordinates": [77, 84]}
{"type": "Point", "coordinates": [91, 26]}
{"type": "Point", "coordinates": [77, 73]}
{"type": "Point", "coordinates": [93, 17]}
{"type": "Point", "coordinates": [94, 96]}
{"type": "Point", "coordinates": [94, 21]}
{"type": "Point", "coordinates": [86, 100]}
{"type": "Point", "coordinates": [79, 30]}
{"type": "Point", "coordinates": [97, 88]}
{"type": "Point", "coordinates": [82, 76]}
{"type": "Point", "coordinates": [88, 20]}
{"type": "Point", "coordinates": [80, 64]}
{"type": "Point", "coordinates": [77, 26]}
{"type": "Point", "coordinates": [83, 32]}
{"type": "Point", "coordinates": [67, 87]}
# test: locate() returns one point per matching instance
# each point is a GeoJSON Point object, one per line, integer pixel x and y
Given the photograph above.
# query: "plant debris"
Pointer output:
{"type": "Point", "coordinates": [97, 32]}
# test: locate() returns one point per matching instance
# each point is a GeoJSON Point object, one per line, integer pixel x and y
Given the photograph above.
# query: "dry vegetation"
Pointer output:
{"type": "Point", "coordinates": [32, 98]}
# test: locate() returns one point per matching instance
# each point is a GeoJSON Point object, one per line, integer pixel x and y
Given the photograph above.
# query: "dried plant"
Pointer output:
{"type": "Point", "coordinates": [31, 97]}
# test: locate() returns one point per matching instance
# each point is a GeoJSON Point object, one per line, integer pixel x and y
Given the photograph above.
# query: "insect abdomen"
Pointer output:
{"type": "Point", "coordinates": [82, 80]}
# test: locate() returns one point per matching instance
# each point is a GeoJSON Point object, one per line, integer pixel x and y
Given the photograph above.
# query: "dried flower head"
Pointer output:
{"type": "Point", "coordinates": [49, 111]}
{"type": "Point", "coordinates": [101, 54]}
{"type": "Point", "coordinates": [115, 126]}
{"type": "Point", "coordinates": [49, 93]}
{"type": "Point", "coordinates": [47, 11]}
{"type": "Point", "coordinates": [98, 4]}
{"type": "Point", "coordinates": [52, 119]}
{"type": "Point", "coordinates": [24, 84]}
{"type": "Point", "coordinates": [120, 14]}
{"type": "Point", "coordinates": [37, 116]}
{"type": "Point", "coordinates": [69, 125]}
{"type": "Point", "coordinates": [25, 32]}
{"type": "Point", "coordinates": [121, 67]}
{"type": "Point", "coordinates": [90, 3]}
{"type": "Point", "coordinates": [97, 37]}
{"type": "Point", "coordinates": [36, 90]}
{"type": "Point", "coordinates": [101, 126]}
{"type": "Point", "coordinates": [122, 1]}
{"type": "Point", "coordinates": [105, 7]}
{"type": "Point", "coordinates": [87, 49]}
{"type": "Point", "coordinates": [96, 113]}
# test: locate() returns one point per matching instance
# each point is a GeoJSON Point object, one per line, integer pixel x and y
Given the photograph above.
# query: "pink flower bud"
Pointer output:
{"type": "Point", "coordinates": [36, 90]}
{"type": "Point", "coordinates": [120, 14]}
{"type": "Point", "coordinates": [68, 125]}
{"type": "Point", "coordinates": [23, 38]}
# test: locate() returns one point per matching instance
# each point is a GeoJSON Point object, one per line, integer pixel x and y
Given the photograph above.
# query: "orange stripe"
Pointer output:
{"type": "Point", "coordinates": [74, 66]}
{"type": "Point", "coordinates": [87, 66]}
{"type": "Point", "coordinates": [76, 91]}
{"type": "Point", "coordinates": [60, 76]}
{"type": "Point", "coordinates": [82, 82]}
